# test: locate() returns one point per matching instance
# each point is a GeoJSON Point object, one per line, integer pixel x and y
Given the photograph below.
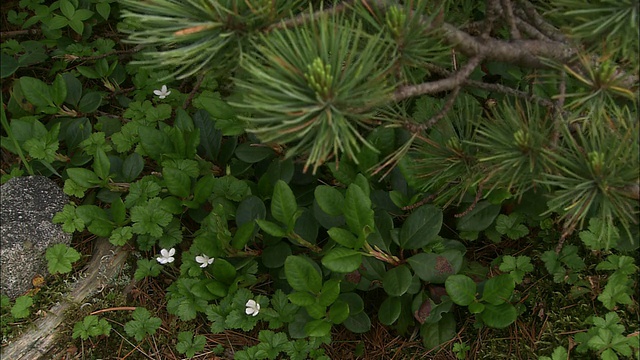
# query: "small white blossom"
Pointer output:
{"type": "Point", "coordinates": [204, 260]}
{"type": "Point", "coordinates": [163, 92]}
{"type": "Point", "coordinates": [253, 308]}
{"type": "Point", "coordinates": [166, 256]}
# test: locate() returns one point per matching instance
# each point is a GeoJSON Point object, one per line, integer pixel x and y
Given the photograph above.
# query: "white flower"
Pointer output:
{"type": "Point", "coordinates": [163, 92]}
{"type": "Point", "coordinates": [166, 256]}
{"type": "Point", "coordinates": [204, 260]}
{"type": "Point", "coordinates": [253, 308]}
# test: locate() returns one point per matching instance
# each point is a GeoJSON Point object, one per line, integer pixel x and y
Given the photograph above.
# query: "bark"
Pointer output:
{"type": "Point", "coordinates": [40, 341]}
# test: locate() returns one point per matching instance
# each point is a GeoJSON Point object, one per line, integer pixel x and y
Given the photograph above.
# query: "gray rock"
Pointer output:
{"type": "Point", "coordinates": [27, 206]}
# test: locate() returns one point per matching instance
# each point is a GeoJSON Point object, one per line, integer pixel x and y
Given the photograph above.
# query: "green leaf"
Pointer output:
{"type": "Point", "coordinates": [223, 270]}
{"type": "Point", "coordinates": [104, 9]}
{"type": "Point", "coordinates": [499, 316]}
{"type": "Point", "coordinates": [338, 312]}
{"type": "Point", "coordinates": [302, 298]}
{"type": "Point", "coordinates": [480, 218]}
{"type": "Point", "coordinates": [150, 218]}
{"type": "Point", "coordinates": [177, 181]}
{"type": "Point", "coordinates": [36, 92]}
{"type": "Point", "coordinates": [155, 143]}
{"type": "Point", "coordinates": [498, 289]}
{"type": "Point", "coordinates": [67, 8]}
{"type": "Point", "coordinates": [83, 177]}
{"type": "Point", "coordinates": [461, 289]}
{"type": "Point", "coordinates": [435, 334]}
{"type": "Point", "coordinates": [357, 211]}
{"type": "Point", "coordinates": [274, 256]}
{"type": "Point", "coordinates": [358, 323]}
{"type": "Point", "coordinates": [272, 229]}
{"type": "Point", "coordinates": [187, 344]}
{"type": "Point", "coordinates": [317, 328]}
{"type": "Point", "coordinates": [390, 310]}
{"type": "Point", "coordinates": [301, 275]}
{"type": "Point", "coordinates": [329, 293]}
{"type": "Point", "coordinates": [142, 324]}
{"type": "Point", "coordinates": [283, 204]}
{"type": "Point", "coordinates": [121, 235]}
{"type": "Point", "coordinates": [90, 326]}
{"type": "Point", "coordinates": [436, 268]}
{"type": "Point", "coordinates": [147, 268]}
{"type": "Point", "coordinates": [8, 65]}
{"type": "Point", "coordinates": [345, 238]}
{"type": "Point", "coordinates": [58, 90]}
{"type": "Point", "coordinates": [329, 199]}
{"type": "Point", "coordinates": [243, 234]}
{"type": "Point", "coordinates": [253, 153]}
{"type": "Point", "coordinates": [342, 260]}
{"type": "Point", "coordinates": [60, 257]}
{"type": "Point", "coordinates": [70, 221]}
{"type": "Point", "coordinates": [132, 167]}
{"type": "Point", "coordinates": [20, 309]}
{"type": "Point", "coordinates": [421, 228]}
{"type": "Point", "coordinates": [90, 102]}
{"type": "Point", "coordinates": [396, 281]}
{"type": "Point", "coordinates": [511, 226]}
{"type": "Point", "coordinates": [101, 164]}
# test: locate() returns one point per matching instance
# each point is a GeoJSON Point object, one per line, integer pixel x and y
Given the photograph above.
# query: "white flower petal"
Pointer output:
{"type": "Point", "coordinates": [172, 252]}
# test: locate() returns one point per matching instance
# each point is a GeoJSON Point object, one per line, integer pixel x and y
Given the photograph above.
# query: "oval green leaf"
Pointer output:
{"type": "Point", "coordinates": [396, 281]}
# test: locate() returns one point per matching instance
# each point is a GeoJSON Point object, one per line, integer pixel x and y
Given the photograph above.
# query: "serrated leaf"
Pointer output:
{"type": "Point", "coordinates": [60, 257]}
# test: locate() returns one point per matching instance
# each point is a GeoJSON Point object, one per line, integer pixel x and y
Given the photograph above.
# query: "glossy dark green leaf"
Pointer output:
{"type": "Point", "coordinates": [271, 228]}
{"type": "Point", "coordinates": [90, 102]}
{"type": "Point", "coordinates": [397, 280]}
{"type": "Point", "coordinates": [223, 271]}
{"type": "Point", "coordinates": [421, 227]}
{"type": "Point", "coordinates": [318, 328]}
{"type": "Point", "coordinates": [154, 142]}
{"type": "Point", "coordinates": [499, 316]}
{"type": "Point", "coordinates": [177, 181]}
{"type": "Point", "coordinates": [132, 167]}
{"type": "Point", "coordinates": [342, 260]}
{"type": "Point", "coordinates": [83, 177]}
{"type": "Point", "coordinates": [250, 209]}
{"type": "Point", "coordinates": [357, 211]}
{"type": "Point", "coordinates": [461, 289]}
{"type": "Point", "coordinates": [344, 238]}
{"type": "Point", "coordinates": [253, 153]}
{"type": "Point", "coordinates": [498, 289]}
{"type": "Point", "coordinates": [101, 164]}
{"type": "Point", "coordinates": [274, 256]}
{"type": "Point", "coordinates": [36, 91]}
{"type": "Point", "coordinates": [436, 268]}
{"type": "Point", "coordinates": [301, 275]}
{"type": "Point", "coordinates": [8, 65]}
{"type": "Point", "coordinates": [433, 335]}
{"type": "Point", "coordinates": [283, 204]}
{"type": "Point", "coordinates": [480, 218]}
{"type": "Point", "coordinates": [330, 200]}
{"type": "Point", "coordinates": [58, 90]}
{"type": "Point", "coordinates": [358, 323]}
{"type": "Point", "coordinates": [338, 312]}
{"type": "Point", "coordinates": [390, 310]}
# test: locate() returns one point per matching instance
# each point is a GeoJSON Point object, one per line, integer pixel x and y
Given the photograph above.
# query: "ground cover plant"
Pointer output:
{"type": "Point", "coordinates": [363, 179]}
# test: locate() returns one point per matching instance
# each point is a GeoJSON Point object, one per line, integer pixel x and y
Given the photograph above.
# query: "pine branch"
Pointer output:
{"type": "Point", "coordinates": [446, 84]}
